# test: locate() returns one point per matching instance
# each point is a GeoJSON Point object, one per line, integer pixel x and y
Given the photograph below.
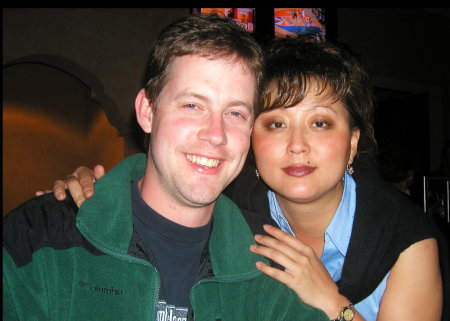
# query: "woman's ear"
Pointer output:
{"type": "Point", "coordinates": [354, 144]}
{"type": "Point", "coordinates": [144, 111]}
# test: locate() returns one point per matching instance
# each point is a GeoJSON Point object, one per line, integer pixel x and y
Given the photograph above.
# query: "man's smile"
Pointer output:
{"type": "Point", "coordinates": [203, 161]}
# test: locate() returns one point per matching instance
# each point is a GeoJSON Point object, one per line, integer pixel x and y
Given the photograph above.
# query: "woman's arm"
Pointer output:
{"type": "Point", "coordinates": [413, 289]}
{"type": "Point", "coordinates": [414, 286]}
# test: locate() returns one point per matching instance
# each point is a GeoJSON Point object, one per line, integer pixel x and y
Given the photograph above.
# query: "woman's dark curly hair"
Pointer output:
{"type": "Point", "coordinates": [294, 64]}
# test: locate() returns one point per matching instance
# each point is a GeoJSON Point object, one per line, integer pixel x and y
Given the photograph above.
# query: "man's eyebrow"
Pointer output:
{"type": "Point", "coordinates": [188, 94]}
{"type": "Point", "coordinates": [241, 103]}
{"type": "Point", "coordinates": [236, 102]}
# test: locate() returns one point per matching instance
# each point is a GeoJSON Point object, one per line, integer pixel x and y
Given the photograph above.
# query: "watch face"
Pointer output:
{"type": "Point", "coordinates": [348, 314]}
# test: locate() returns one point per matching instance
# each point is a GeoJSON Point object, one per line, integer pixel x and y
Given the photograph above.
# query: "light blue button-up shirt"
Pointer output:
{"type": "Point", "coordinates": [337, 238]}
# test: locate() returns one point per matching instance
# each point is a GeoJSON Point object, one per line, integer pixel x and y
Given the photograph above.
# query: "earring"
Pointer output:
{"type": "Point", "coordinates": [257, 173]}
{"type": "Point", "coordinates": [350, 169]}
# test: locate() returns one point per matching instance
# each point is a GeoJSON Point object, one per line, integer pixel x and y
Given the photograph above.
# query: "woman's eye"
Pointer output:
{"type": "Point", "coordinates": [276, 125]}
{"type": "Point", "coordinates": [320, 124]}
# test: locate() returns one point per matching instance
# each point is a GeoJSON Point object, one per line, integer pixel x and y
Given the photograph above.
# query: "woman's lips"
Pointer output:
{"type": "Point", "coordinates": [298, 171]}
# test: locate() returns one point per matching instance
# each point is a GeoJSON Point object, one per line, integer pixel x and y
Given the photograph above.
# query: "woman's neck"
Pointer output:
{"type": "Point", "coordinates": [311, 219]}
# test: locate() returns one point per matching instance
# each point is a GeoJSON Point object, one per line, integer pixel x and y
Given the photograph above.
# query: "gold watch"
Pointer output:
{"type": "Point", "coordinates": [347, 313]}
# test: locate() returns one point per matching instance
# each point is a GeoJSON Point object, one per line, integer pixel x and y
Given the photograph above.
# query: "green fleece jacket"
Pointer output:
{"type": "Point", "coordinates": [61, 263]}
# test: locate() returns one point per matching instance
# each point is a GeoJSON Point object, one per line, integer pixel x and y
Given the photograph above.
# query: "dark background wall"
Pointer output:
{"type": "Point", "coordinates": [406, 48]}
{"type": "Point", "coordinates": [112, 44]}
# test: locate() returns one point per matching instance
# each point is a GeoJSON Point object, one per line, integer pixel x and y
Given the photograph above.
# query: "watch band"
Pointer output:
{"type": "Point", "coordinates": [347, 313]}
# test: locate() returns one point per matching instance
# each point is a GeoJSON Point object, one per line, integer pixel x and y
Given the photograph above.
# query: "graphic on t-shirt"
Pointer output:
{"type": "Point", "coordinates": [168, 312]}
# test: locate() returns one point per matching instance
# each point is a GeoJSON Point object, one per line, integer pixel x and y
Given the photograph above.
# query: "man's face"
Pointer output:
{"type": "Point", "coordinates": [200, 130]}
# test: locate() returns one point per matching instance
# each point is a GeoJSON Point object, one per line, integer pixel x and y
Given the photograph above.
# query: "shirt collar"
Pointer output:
{"type": "Point", "coordinates": [340, 228]}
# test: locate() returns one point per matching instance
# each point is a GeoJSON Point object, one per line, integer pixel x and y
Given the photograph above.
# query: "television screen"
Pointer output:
{"type": "Point", "coordinates": [290, 21]}
{"type": "Point", "coordinates": [244, 17]}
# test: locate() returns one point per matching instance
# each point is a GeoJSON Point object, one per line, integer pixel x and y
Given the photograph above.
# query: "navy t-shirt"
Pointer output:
{"type": "Point", "coordinates": [175, 250]}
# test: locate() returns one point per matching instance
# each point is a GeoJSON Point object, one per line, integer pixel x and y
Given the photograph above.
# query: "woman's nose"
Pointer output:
{"type": "Point", "coordinates": [298, 142]}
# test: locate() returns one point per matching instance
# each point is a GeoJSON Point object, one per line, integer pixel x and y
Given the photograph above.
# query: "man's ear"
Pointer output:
{"type": "Point", "coordinates": [144, 111]}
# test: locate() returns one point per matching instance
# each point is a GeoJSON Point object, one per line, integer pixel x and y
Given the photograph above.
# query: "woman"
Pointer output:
{"type": "Point", "coordinates": [314, 123]}
{"type": "Point", "coordinates": [352, 247]}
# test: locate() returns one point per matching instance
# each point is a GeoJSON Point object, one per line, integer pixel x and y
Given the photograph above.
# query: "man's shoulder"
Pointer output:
{"type": "Point", "coordinates": [45, 209]}
{"type": "Point", "coordinates": [40, 222]}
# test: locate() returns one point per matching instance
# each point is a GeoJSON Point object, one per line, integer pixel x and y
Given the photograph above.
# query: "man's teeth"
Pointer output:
{"type": "Point", "coordinates": [203, 161]}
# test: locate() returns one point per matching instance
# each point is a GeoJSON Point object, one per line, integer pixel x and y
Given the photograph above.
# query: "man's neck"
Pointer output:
{"type": "Point", "coordinates": [182, 214]}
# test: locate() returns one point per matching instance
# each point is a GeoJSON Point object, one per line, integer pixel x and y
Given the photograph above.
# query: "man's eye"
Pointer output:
{"type": "Point", "coordinates": [190, 106]}
{"type": "Point", "coordinates": [236, 114]}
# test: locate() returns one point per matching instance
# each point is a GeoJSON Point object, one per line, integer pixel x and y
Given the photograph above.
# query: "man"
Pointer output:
{"type": "Point", "coordinates": [171, 247]}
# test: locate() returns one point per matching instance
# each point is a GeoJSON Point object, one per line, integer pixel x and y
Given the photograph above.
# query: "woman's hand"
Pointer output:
{"type": "Point", "coordinates": [304, 272]}
{"type": "Point", "coordinates": [80, 184]}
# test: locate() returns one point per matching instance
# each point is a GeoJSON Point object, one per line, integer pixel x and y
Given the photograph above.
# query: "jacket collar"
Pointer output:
{"type": "Point", "coordinates": [105, 220]}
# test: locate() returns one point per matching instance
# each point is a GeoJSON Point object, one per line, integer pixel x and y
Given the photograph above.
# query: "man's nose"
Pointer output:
{"type": "Point", "coordinates": [213, 130]}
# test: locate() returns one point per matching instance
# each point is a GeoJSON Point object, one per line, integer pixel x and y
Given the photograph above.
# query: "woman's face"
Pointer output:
{"type": "Point", "coordinates": [302, 152]}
